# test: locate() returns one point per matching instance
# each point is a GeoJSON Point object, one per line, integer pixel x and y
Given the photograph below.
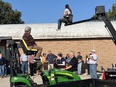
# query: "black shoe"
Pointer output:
{"type": "Point", "coordinates": [57, 29]}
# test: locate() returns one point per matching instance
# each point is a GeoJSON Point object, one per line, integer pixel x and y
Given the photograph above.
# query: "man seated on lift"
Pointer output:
{"type": "Point", "coordinates": [30, 42]}
{"type": "Point", "coordinates": [72, 66]}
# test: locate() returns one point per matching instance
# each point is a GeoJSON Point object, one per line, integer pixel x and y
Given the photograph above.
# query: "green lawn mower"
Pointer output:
{"type": "Point", "coordinates": [49, 77]}
{"type": "Point", "coordinates": [54, 76]}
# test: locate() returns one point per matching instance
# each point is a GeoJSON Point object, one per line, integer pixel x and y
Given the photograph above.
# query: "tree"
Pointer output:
{"type": "Point", "coordinates": [112, 13]}
{"type": "Point", "coordinates": [8, 15]}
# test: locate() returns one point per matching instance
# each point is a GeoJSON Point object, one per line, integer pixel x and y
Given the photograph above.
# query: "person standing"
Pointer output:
{"type": "Point", "coordinates": [79, 59]}
{"type": "Point", "coordinates": [92, 61]}
{"type": "Point", "coordinates": [30, 42]}
{"type": "Point", "coordinates": [50, 58]}
{"type": "Point", "coordinates": [31, 64]}
{"type": "Point", "coordinates": [61, 62]}
{"type": "Point", "coordinates": [8, 57]}
{"type": "Point", "coordinates": [2, 66]}
{"type": "Point", "coordinates": [67, 13]}
{"type": "Point", "coordinates": [24, 62]}
{"type": "Point", "coordinates": [44, 61]}
{"type": "Point", "coordinates": [67, 59]}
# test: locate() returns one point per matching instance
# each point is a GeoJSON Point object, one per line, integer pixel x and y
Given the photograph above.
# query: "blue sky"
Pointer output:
{"type": "Point", "coordinates": [49, 11]}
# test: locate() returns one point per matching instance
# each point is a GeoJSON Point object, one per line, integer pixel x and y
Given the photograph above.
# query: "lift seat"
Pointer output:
{"type": "Point", "coordinates": [26, 49]}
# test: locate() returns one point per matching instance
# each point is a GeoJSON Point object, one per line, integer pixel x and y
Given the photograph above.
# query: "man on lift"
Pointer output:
{"type": "Point", "coordinates": [30, 42]}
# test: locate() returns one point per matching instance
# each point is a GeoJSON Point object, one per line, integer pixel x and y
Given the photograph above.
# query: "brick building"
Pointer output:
{"type": "Point", "coordinates": [81, 37]}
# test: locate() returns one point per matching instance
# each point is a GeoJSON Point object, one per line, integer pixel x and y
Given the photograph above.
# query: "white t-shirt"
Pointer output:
{"type": "Point", "coordinates": [24, 57]}
{"type": "Point", "coordinates": [92, 61]}
{"type": "Point", "coordinates": [67, 10]}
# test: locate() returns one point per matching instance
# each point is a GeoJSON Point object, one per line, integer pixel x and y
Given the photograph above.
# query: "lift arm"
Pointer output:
{"type": "Point", "coordinates": [86, 20]}
{"type": "Point", "coordinates": [100, 13]}
{"type": "Point", "coordinates": [110, 27]}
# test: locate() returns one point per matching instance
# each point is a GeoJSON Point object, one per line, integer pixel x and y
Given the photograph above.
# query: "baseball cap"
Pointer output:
{"type": "Point", "coordinates": [92, 50]}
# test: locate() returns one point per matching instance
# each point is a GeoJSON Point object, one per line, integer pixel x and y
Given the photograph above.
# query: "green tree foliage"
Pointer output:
{"type": "Point", "coordinates": [112, 13]}
{"type": "Point", "coordinates": [8, 15]}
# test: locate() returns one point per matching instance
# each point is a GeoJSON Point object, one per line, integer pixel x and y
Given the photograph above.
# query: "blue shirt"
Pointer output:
{"type": "Point", "coordinates": [2, 61]}
{"type": "Point", "coordinates": [68, 60]}
{"type": "Point", "coordinates": [50, 58]}
{"type": "Point", "coordinates": [60, 61]}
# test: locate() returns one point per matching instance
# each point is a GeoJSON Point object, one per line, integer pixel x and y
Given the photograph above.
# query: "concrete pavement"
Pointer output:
{"type": "Point", "coordinates": [4, 82]}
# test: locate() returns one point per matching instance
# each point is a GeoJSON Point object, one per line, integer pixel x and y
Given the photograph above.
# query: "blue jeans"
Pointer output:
{"type": "Point", "coordinates": [2, 70]}
{"type": "Point", "coordinates": [25, 67]}
{"type": "Point", "coordinates": [60, 22]}
{"type": "Point", "coordinates": [93, 71]}
{"type": "Point", "coordinates": [79, 68]}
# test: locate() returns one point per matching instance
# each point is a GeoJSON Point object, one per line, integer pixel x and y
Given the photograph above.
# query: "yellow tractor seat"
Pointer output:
{"type": "Point", "coordinates": [26, 49]}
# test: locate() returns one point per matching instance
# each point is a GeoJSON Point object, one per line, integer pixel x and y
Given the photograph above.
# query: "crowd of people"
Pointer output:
{"type": "Point", "coordinates": [38, 63]}
{"type": "Point", "coordinates": [71, 62]}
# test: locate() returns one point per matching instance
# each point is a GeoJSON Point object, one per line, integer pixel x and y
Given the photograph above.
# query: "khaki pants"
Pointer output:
{"type": "Point", "coordinates": [39, 50]}
{"type": "Point", "coordinates": [50, 66]}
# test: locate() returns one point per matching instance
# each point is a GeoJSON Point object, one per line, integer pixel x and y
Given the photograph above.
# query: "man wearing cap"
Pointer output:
{"type": "Point", "coordinates": [30, 41]}
{"type": "Point", "coordinates": [93, 64]}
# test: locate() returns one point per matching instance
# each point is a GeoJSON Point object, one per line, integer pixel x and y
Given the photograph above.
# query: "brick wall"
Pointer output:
{"type": "Point", "coordinates": [105, 48]}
